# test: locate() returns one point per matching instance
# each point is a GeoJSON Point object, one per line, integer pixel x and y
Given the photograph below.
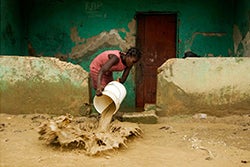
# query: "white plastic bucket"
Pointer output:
{"type": "Point", "coordinates": [114, 92]}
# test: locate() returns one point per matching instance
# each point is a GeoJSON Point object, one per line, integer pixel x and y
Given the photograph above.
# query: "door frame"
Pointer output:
{"type": "Point", "coordinates": [176, 44]}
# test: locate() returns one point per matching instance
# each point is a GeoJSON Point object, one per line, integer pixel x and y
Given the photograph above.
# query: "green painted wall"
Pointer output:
{"type": "Point", "coordinates": [11, 27]}
{"type": "Point", "coordinates": [242, 16]}
{"type": "Point", "coordinates": [78, 30]}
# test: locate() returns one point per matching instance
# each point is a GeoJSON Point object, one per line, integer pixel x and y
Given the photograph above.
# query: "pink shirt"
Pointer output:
{"type": "Point", "coordinates": [97, 64]}
{"type": "Point", "coordinates": [102, 58]}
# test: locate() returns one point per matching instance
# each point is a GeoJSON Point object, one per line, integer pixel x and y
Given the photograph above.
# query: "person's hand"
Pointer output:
{"type": "Point", "coordinates": [99, 92]}
{"type": "Point", "coordinates": [118, 79]}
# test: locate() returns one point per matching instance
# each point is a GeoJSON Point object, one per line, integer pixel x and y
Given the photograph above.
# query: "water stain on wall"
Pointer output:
{"type": "Point", "coordinates": [42, 97]}
{"type": "Point", "coordinates": [227, 100]}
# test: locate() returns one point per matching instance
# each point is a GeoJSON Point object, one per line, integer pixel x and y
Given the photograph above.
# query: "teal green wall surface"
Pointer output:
{"type": "Point", "coordinates": [242, 16]}
{"type": "Point", "coordinates": [80, 29]}
{"type": "Point", "coordinates": [11, 27]}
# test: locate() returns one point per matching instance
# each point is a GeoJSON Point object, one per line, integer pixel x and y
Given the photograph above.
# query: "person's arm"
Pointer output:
{"type": "Point", "coordinates": [113, 59]}
{"type": "Point", "coordinates": [125, 74]}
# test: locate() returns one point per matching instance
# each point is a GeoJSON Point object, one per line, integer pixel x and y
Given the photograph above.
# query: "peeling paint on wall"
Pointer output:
{"type": "Point", "coordinates": [74, 36]}
{"type": "Point", "coordinates": [237, 37]}
{"type": "Point", "coordinates": [104, 39]}
{"type": "Point", "coordinates": [189, 43]}
{"type": "Point", "coordinates": [246, 45]}
{"type": "Point", "coordinates": [241, 44]}
{"type": "Point", "coordinates": [205, 34]}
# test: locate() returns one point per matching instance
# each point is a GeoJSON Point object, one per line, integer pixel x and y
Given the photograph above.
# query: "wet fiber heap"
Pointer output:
{"type": "Point", "coordinates": [84, 133]}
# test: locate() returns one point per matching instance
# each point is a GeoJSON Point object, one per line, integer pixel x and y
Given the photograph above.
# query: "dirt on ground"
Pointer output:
{"type": "Point", "coordinates": [176, 141]}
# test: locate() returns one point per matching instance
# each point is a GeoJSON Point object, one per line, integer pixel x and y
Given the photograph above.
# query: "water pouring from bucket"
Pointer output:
{"type": "Point", "coordinates": [109, 103]}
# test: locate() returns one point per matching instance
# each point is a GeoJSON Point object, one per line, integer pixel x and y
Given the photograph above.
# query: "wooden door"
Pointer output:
{"type": "Point", "coordinates": [156, 38]}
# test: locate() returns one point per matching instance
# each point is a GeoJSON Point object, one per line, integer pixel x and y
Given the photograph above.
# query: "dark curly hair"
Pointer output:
{"type": "Point", "coordinates": [134, 52]}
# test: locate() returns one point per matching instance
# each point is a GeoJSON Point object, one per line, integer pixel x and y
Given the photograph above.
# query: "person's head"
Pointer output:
{"type": "Point", "coordinates": [132, 56]}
